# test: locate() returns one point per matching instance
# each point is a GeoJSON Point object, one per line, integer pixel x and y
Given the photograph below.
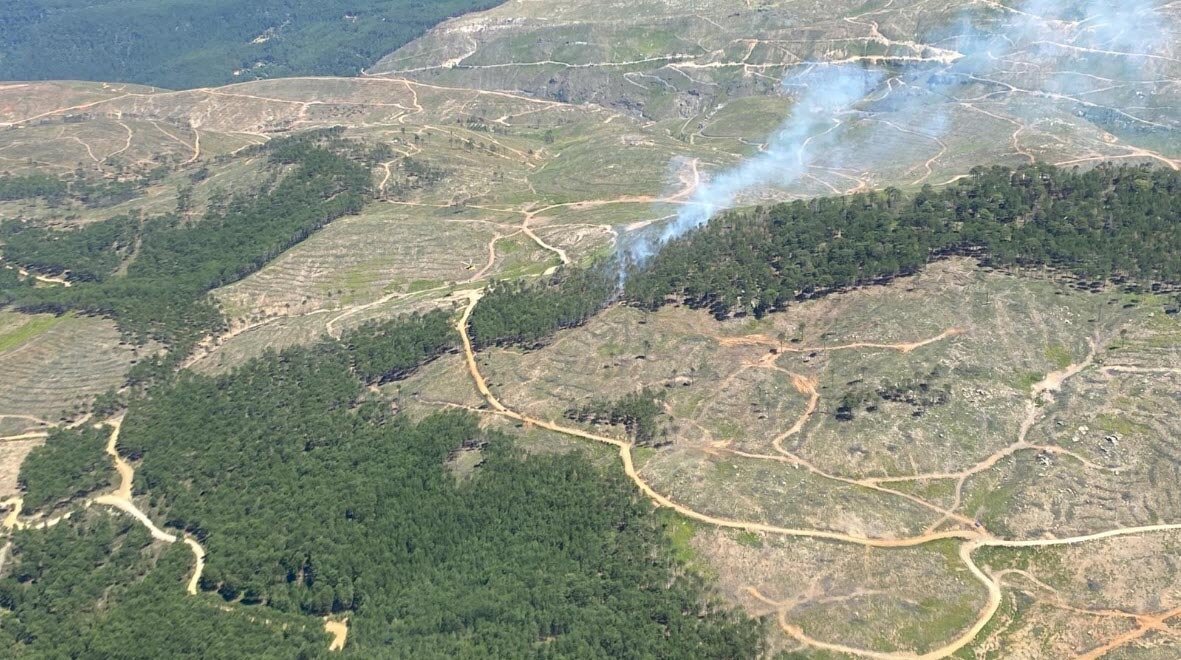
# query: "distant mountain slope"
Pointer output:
{"type": "Point", "coordinates": [191, 43]}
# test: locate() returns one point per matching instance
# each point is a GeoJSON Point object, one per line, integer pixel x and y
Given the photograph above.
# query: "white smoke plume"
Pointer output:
{"type": "Point", "coordinates": [1082, 44]}
{"type": "Point", "coordinates": [831, 90]}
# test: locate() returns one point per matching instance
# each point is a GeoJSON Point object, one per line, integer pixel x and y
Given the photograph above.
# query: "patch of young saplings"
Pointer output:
{"type": "Point", "coordinates": [639, 413]}
{"type": "Point", "coordinates": [920, 393]}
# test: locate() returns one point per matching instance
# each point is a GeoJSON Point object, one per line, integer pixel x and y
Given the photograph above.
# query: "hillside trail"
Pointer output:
{"type": "Point", "coordinates": [119, 498]}
{"type": "Point", "coordinates": [1116, 368]}
{"type": "Point", "coordinates": [57, 280]}
{"type": "Point", "coordinates": [1040, 395]}
{"type": "Point", "coordinates": [690, 183]}
{"type": "Point", "coordinates": [35, 420]}
{"type": "Point", "coordinates": [1146, 624]}
{"type": "Point", "coordinates": [30, 435]}
{"type": "Point", "coordinates": [970, 540]}
{"type": "Point", "coordinates": [690, 180]}
{"type": "Point", "coordinates": [808, 386]}
{"type": "Point", "coordinates": [783, 347]}
{"type": "Point", "coordinates": [210, 343]}
{"type": "Point", "coordinates": [625, 453]}
{"type": "Point", "coordinates": [126, 472]}
{"type": "Point", "coordinates": [992, 604]}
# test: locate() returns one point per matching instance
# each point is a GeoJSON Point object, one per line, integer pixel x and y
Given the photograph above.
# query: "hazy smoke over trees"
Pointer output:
{"type": "Point", "coordinates": [1065, 50]}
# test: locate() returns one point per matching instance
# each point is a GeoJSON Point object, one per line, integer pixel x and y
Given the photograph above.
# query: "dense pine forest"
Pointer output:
{"type": "Point", "coordinates": [71, 463]}
{"type": "Point", "coordinates": [96, 586]}
{"type": "Point", "coordinates": [526, 314]}
{"type": "Point", "coordinates": [180, 44]}
{"type": "Point", "coordinates": [384, 351]}
{"type": "Point", "coordinates": [311, 499]}
{"type": "Point", "coordinates": [312, 496]}
{"type": "Point", "coordinates": [1105, 223]}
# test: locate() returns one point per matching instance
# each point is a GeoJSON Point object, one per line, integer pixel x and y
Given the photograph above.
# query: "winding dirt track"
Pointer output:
{"type": "Point", "coordinates": [971, 539]}
{"type": "Point", "coordinates": [120, 499]}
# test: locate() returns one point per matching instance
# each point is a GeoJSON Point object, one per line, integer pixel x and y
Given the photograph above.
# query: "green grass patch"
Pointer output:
{"type": "Point", "coordinates": [749, 539]}
{"type": "Point", "coordinates": [948, 619]}
{"type": "Point", "coordinates": [753, 325]}
{"type": "Point", "coordinates": [598, 254]}
{"type": "Point", "coordinates": [423, 285]}
{"type": "Point", "coordinates": [609, 349]}
{"type": "Point", "coordinates": [992, 501]}
{"type": "Point", "coordinates": [680, 532]}
{"type": "Point", "coordinates": [1059, 356]}
{"type": "Point", "coordinates": [930, 490]}
{"type": "Point", "coordinates": [36, 325]}
{"type": "Point", "coordinates": [1142, 299]}
{"type": "Point", "coordinates": [508, 247]}
{"type": "Point", "coordinates": [726, 470]}
{"type": "Point", "coordinates": [1120, 425]}
{"type": "Point", "coordinates": [526, 269]}
{"type": "Point", "coordinates": [1026, 381]}
{"type": "Point", "coordinates": [640, 455]}
{"type": "Point", "coordinates": [730, 430]}
{"type": "Point", "coordinates": [351, 285]}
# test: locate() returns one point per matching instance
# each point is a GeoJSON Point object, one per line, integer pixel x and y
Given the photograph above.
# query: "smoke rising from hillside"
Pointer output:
{"type": "Point", "coordinates": [1086, 45]}
{"type": "Point", "coordinates": [830, 91]}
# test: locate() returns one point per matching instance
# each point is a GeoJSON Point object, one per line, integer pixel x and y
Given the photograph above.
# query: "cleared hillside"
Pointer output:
{"type": "Point", "coordinates": [889, 368]}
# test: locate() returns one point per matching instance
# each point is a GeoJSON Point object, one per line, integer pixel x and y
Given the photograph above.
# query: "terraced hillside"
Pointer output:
{"type": "Point", "coordinates": [964, 462]}
{"type": "Point", "coordinates": [905, 525]}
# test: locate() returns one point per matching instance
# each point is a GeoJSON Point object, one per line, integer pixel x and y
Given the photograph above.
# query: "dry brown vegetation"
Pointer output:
{"type": "Point", "coordinates": [766, 485]}
{"type": "Point", "coordinates": [1061, 408]}
{"type": "Point", "coordinates": [59, 369]}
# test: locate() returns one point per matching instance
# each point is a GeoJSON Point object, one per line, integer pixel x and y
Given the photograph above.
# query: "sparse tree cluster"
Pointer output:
{"type": "Point", "coordinates": [638, 412]}
{"type": "Point", "coordinates": [49, 188]}
{"type": "Point", "coordinates": [413, 174]}
{"type": "Point", "coordinates": [162, 293]}
{"type": "Point", "coordinates": [921, 393]}
{"type": "Point", "coordinates": [90, 192]}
